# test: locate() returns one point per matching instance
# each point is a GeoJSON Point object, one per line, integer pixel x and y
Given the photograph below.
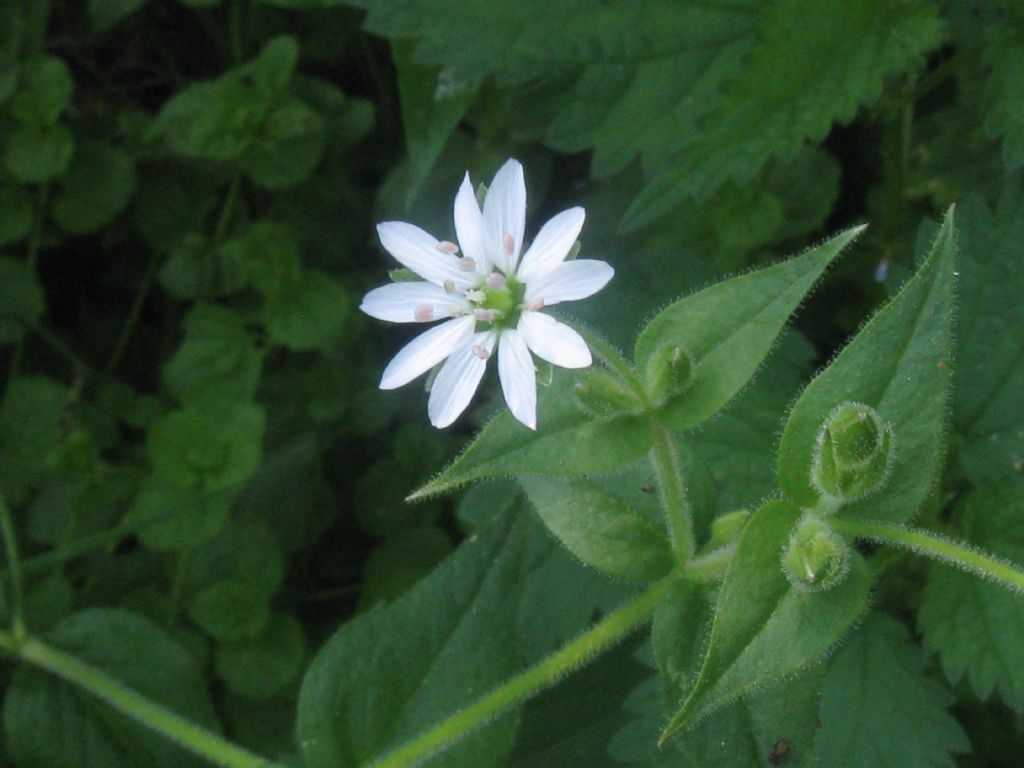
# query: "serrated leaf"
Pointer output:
{"type": "Point", "coordinates": [601, 528]}
{"type": "Point", "coordinates": [51, 724]}
{"type": "Point", "coordinates": [977, 628]}
{"type": "Point", "coordinates": [218, 357]}
{"type": "Point", "coordinates": [815, 64]}
{"type": "Point", "coordinates": [988, 409]}
{"type": "Point", "coordinates": [568, 443]}
{"type": "Point", "coordinates": [22, 301]}
{"type": "Point", "coordinates": [289, 146]}
{"type": "Point", "coordinates": [307, 314]}
{"type": "Point", "coordinates": [386, 676]}
{"type": "Point", "coordinates": [97, 186]}
{"type": "Point", "coordinates": [900, 365]}
{"type": "Point", "coordinates": [879, 710]}
{"type": "Point", "coordinates": [261, 666]}
{"type": "Point", "coordinates": [176, 519]}
{"type": "Point", "coordinates": [726, 330]}
{"type": "Point", "coordinates": [765, 628]}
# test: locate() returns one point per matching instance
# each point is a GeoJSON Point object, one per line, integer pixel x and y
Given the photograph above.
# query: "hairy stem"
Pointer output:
{"type": "Point", "coordinates": [528, 683]}
{"type": "Point", "coordinates": [17, 591]}
{"type": "Point", "coordinates": [938, 547]}
{"type": "Point", "coordinates": [187, 734]}
{"type": "Point", "coordinates": [673, 494]}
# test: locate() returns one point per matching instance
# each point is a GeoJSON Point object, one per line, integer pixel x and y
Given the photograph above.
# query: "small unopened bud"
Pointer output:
{"type": "Point", "coordinates": [601, 394]}
{"type": "Point", "coordinates": [668, 371]}
{"type": "Point", "coordinates": [816, 557]}
{"type": "Point", "coordinates": [853, 453]}
{"type": "Point", "coordinates": [727, 528]}
{"type": "Point", "coordinates": [446, 246]}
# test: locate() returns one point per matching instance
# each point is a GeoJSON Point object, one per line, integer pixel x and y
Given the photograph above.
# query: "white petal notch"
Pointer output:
{"type": "Point", "coordinates": [488, 297]}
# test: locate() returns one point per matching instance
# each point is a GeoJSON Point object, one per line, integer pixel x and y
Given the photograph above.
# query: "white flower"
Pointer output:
{"type": "Point", "coordinates": [490, 297]}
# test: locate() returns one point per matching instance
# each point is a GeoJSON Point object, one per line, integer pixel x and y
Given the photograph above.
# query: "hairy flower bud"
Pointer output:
{"type": "Point", "coordinates": [668, 371]}
{"type": "Point", "coordinates": [816, 557]}
{"type": "Point", "coordinates": [853, 453]}
{"type": "Point", "coordinates": [727, 528]}
{"type": "Point", "coordinates": [600, 394]}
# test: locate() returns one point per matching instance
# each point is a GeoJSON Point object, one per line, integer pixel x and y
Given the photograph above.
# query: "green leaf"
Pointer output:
{"type": "Point", "coordinates": [22, 301]}
{"type": "Point", "coordinates": [307, 314]}
{"type": "Point", "coordinates": [229, 611]}
{"type": "Point", "coordinates": [430, 112]}
{"type": "Point", "coordinates": [988, 410]}
{"type": "Point", "coordinates": [568, 443]}
{"type": "Point", "coordinates": [35, 155]}
{"type": "Point", "coordinates": [601, 528]}
{"type": "Point", "coordinates": [218, 357]}
{"type": "Point", "coordinates": [387, 675]}
{"type": "Point", "coordinates": [244, 550]}
{"type": "Point", "coordinates": [177, 519]}
{"type": "Point", "coordinates": [766, 628]}
{"type": "Point", "coordinates": [44, 91]}
{"type": "Point", "coordinates": [260, 667]}
{"type": "Point", "coordinates": [104, 14]}
{"type": "Point", "coordinates": [211, 444]}
{"type": "Point", "coordinates": [288, 148]}
{"type": "Point", "coordinates": [816, 63]}
{"type": "Point", "coordinates": [97, 186]}
{"type": "Point", "coordinates": [31, 417]}
{"type": "Point", "coordinates": [400, 561]}
{"type": "Point", "coordinates": [15, 219]}
{"type": "Point", "coordinates": [1004, 85]}
{"type": "Point", "coordinates": [900, 365]}
{"type": "Point", "coordinates": [267, 254]}
{"type": "Point", "coordinates": [878, 708]}
{"type": "Point", "coordinates": [50, 724]}
{"type": "Point", "coordinates": [977, 628]}
{"type": "Point", "coordinates": [729, 328]}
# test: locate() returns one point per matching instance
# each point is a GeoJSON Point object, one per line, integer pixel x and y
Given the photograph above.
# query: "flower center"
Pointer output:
{"type": "Point", "coordinates": [499, 301]}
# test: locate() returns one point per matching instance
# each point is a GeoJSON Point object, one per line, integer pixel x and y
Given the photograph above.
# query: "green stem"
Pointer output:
{"type": "Point", "coordinates": [938, 547]}
{"type": "Point", "coordinates": [528, 683]}
{"type": "Point", "coordinates": [133, 313]}
{"type": "Point", "coordinates": [229, 208]}
{"type": "Point", "coordinates": [187, 734]}
{"type": "Point", "coordinates": [14, 568]}
{"type": "Point", "coordinates": [711, 566]}
{"type": "Point", "coordinates": [611, 357]}
{"type": "Point", "coordinates": [673, 494]}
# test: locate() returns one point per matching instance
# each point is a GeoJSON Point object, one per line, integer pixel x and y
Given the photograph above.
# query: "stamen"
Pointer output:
{"type": "Point", "coordinates": [446, 246]}
{"type": "Point", "coordinates": [496, 281]}
{"type": "Point", "coordinates": [485, 315]}
{"type": "Point", "coordinates": [466, 264]}
{"type": "Point", "coordinates": [510, 244]}
{"type": "Point", "coordinates": [480, 352]}
{"type": "Point", "coordinates": [449, 286]}
{"type": "Point", "coordinates": [536, 305]}
{"type": "Point", "coordinates": [423, 313]}
{"type": "Point", "coordinates": [476, 296]}
{"type": "Point", "coordinates": [456, 310]}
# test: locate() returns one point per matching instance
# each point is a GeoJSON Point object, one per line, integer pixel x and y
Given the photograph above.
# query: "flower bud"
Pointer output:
{"type": "Point", "coordinates": [727, 528]}
{"type": "Point", "coordinates": [853, 453]}
{"type": "Point", "coordinates": [668, 371]}
{"type": "Point", "coordinates": [601, 394]}
{"type": "Point", "coordinates": [816, 557]}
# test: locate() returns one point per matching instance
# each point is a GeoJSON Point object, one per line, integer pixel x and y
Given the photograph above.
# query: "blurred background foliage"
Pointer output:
{"type": "Point", "coordinates": [191, 438]}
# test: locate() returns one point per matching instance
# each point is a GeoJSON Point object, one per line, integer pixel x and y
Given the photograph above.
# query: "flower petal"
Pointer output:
{"type": "Point", "coordinates": [427, 350]}
{"type": "Point", "coordinates": [553, 243]}
{"type": "Point", "coordinates": [457, 381]}
{"type": "Point", "coordinates": [518, 378]}
{"type": "Point", "coordinates": [505, 216]}
{"type": "Point", "coordinates": [554, 341]}
{"type": "Point", "coordinates": [401, 302]}
{"type": "Point", "coordinates": [469, 226]}
{"type": "Point", "coordinates": [417, 250]}
{"type": "Point", "coordinates": [569, 281]}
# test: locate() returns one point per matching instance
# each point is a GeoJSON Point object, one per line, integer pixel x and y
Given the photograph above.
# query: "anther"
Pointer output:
{"type": "Point", "coordinates": [423, 313]}
{"type": "Point", "coordinates": [510, 244]}
{"type": "Point", "coordinates": [449, 286]}
{"type": "Point", "coordinates": [466, 264]}
{"type": "Point", "coordinates": [446, 246]}
{"type": "Point", "coordinates": [456, 310]}
{"type": "Point", "coordinates": [536, 305]}
{"type": "Point", "coordinates": [476, 295]}
{"type": "Point", "coordinates": [496, 281]}
{"type": "Point", "coordinates": [480, 352]}
{"type": "Point", "coordinates": [485, 315]}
